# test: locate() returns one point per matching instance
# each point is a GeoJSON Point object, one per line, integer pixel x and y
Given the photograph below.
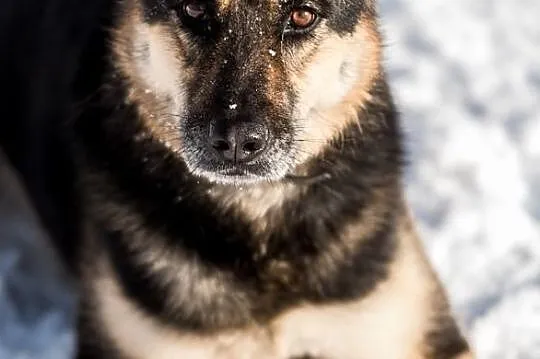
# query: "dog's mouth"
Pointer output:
{"type": "Point", "coordinates": [239, 174]}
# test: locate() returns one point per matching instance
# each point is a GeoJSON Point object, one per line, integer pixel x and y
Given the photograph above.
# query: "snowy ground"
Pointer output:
{"type": "Point", "coordinates": [466, 74]}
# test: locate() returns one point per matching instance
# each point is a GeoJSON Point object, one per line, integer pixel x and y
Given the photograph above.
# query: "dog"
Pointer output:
{"type": "Point", "coordinates": [223, 177]}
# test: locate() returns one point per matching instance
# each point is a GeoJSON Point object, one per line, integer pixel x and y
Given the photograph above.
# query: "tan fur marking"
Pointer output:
{"type": "Point", "coordinates": [141, 337]}
{"type": "Point", "coordinates": [148, 59]}
{"type": "Point", "coordinates": [255, 202]}
{"type": "Point", "coordinates": [324, 109]}
{"type": "Point", "coordinates": [388, 324]}
{"type": "Point", "coordinates": [224, 5]}
{"type": "Point", "coordinates": [439, 305]}
{"type": "Point", "coordinates": [467, 355]}
{"type": "Point", "coordinates": [275, 82]}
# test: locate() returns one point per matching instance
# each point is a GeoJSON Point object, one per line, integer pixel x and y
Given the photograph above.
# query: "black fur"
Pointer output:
{"type": "Point", "coordinates": [446, 341]}
{"type": "Point", "coordinates": [347, 14]}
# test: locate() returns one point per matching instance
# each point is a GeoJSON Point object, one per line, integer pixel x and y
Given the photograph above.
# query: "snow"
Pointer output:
{"type": "Point", "coordinates": [466, 76]}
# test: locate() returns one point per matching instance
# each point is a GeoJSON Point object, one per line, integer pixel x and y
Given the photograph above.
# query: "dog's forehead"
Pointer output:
{"type": "Point", "coordinates": [341, 16]}
{"type": "Point", "coordinates": [266, 8]}
{"type": "Point", "coordinates": [227, 5]}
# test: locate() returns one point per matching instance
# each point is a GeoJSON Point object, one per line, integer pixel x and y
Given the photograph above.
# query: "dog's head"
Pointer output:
{"type": "Point", "coordinates": [247, 90]}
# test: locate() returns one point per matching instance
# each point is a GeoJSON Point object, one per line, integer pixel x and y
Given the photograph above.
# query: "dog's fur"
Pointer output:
{"type": "Point", "coordinates": [309, 251]}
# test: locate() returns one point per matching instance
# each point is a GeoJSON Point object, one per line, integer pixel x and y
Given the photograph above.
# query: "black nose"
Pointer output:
{"type": "Point", "coordinates": [239, 142]}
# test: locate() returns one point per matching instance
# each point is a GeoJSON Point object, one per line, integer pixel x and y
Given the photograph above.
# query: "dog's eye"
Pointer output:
{"type": "Point", "coordinates": [302, 19]}
{"type": "Point", "coordinates": [195, 10]}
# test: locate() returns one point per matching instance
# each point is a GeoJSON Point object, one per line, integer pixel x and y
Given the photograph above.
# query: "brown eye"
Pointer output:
{"type": "Point", "coordinates": [302, 18]}
{"type": "Point", "coordinates": [195, 10]}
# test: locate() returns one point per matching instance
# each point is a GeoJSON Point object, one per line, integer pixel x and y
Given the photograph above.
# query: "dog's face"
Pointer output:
{"type": "Point", "coordinates": [247, 90]}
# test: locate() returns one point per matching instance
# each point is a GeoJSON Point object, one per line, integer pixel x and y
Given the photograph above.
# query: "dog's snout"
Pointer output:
{"type": "Point", "coordinates": [238, 142]}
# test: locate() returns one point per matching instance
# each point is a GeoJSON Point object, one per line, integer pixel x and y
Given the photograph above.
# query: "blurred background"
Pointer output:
{"type": "Point", "coordinates": [466, 76]}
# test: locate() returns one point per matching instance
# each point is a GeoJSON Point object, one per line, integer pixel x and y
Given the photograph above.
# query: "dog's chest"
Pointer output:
{"type": "Point", "coordinates": [387, 324]}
